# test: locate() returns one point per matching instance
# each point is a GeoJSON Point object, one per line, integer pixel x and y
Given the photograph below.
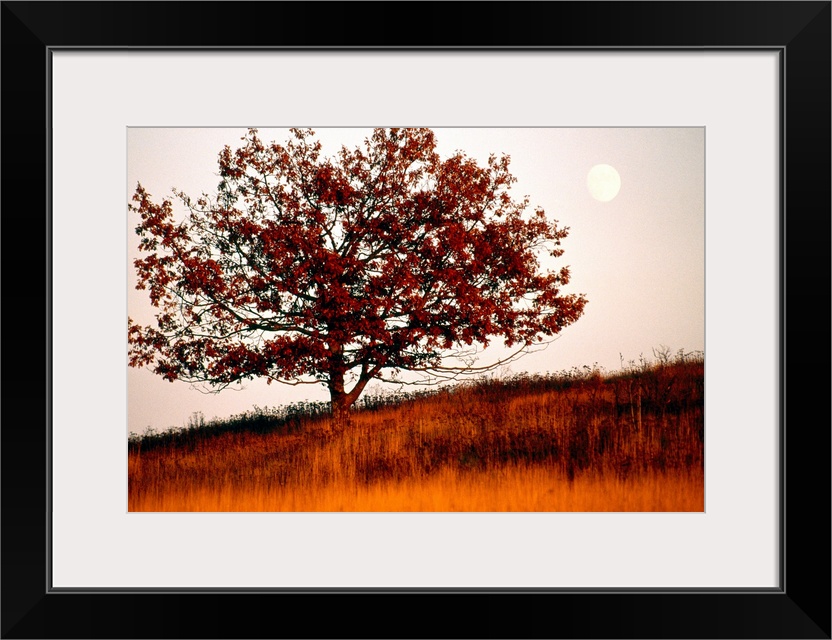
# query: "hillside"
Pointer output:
{"type": "Point", "coordinates": [582, 440]}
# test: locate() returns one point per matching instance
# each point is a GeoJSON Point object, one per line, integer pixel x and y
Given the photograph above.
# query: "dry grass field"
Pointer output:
{"type": "Point", "coordinates": [575, 441]}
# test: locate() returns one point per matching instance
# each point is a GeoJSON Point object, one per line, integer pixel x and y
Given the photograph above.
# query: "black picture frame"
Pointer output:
{"type": "Point", "coordinates": [799, 608]}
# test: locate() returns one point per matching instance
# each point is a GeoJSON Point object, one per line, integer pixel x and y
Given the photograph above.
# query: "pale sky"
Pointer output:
{"type": "Point", "coordinates": [639, 258]}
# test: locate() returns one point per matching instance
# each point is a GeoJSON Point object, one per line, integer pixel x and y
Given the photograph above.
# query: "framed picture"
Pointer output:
{"type": "Point", "coordinates": [755, 77]}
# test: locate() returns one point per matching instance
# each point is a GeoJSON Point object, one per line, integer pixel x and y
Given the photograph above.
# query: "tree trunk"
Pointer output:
{"type": "Point", "coordinates": [340, 404]}
{"type": "Point", "coordinates": [341, 400]}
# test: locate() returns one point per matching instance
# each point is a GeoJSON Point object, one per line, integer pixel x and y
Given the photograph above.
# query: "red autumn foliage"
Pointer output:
{"type": "Point", "coordinates": [303, 268]}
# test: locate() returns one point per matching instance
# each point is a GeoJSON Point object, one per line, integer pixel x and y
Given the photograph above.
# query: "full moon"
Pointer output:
{"type": "Point", "coordinates": [603, 182]}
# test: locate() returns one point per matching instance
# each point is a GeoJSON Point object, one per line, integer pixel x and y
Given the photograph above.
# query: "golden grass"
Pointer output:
{"type": "Point", "coordinates": [626, 443]}
{"type": "Point", "coordinates": [503, 490]}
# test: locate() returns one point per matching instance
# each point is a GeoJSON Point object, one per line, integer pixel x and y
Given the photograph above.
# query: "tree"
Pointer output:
{"type": "Point", "coordinates": [308, 269]}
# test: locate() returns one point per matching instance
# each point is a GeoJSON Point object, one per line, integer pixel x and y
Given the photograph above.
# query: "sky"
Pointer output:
{"type": "Point", "coordinates": [639, 258]}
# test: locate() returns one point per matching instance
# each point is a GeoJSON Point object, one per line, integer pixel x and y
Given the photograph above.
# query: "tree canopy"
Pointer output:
{"type": "Point", "coordinates": [340, 270]}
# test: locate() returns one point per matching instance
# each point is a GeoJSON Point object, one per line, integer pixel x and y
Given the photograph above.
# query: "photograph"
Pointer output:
{"type": "Point", "coordinates": [416, 319]}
